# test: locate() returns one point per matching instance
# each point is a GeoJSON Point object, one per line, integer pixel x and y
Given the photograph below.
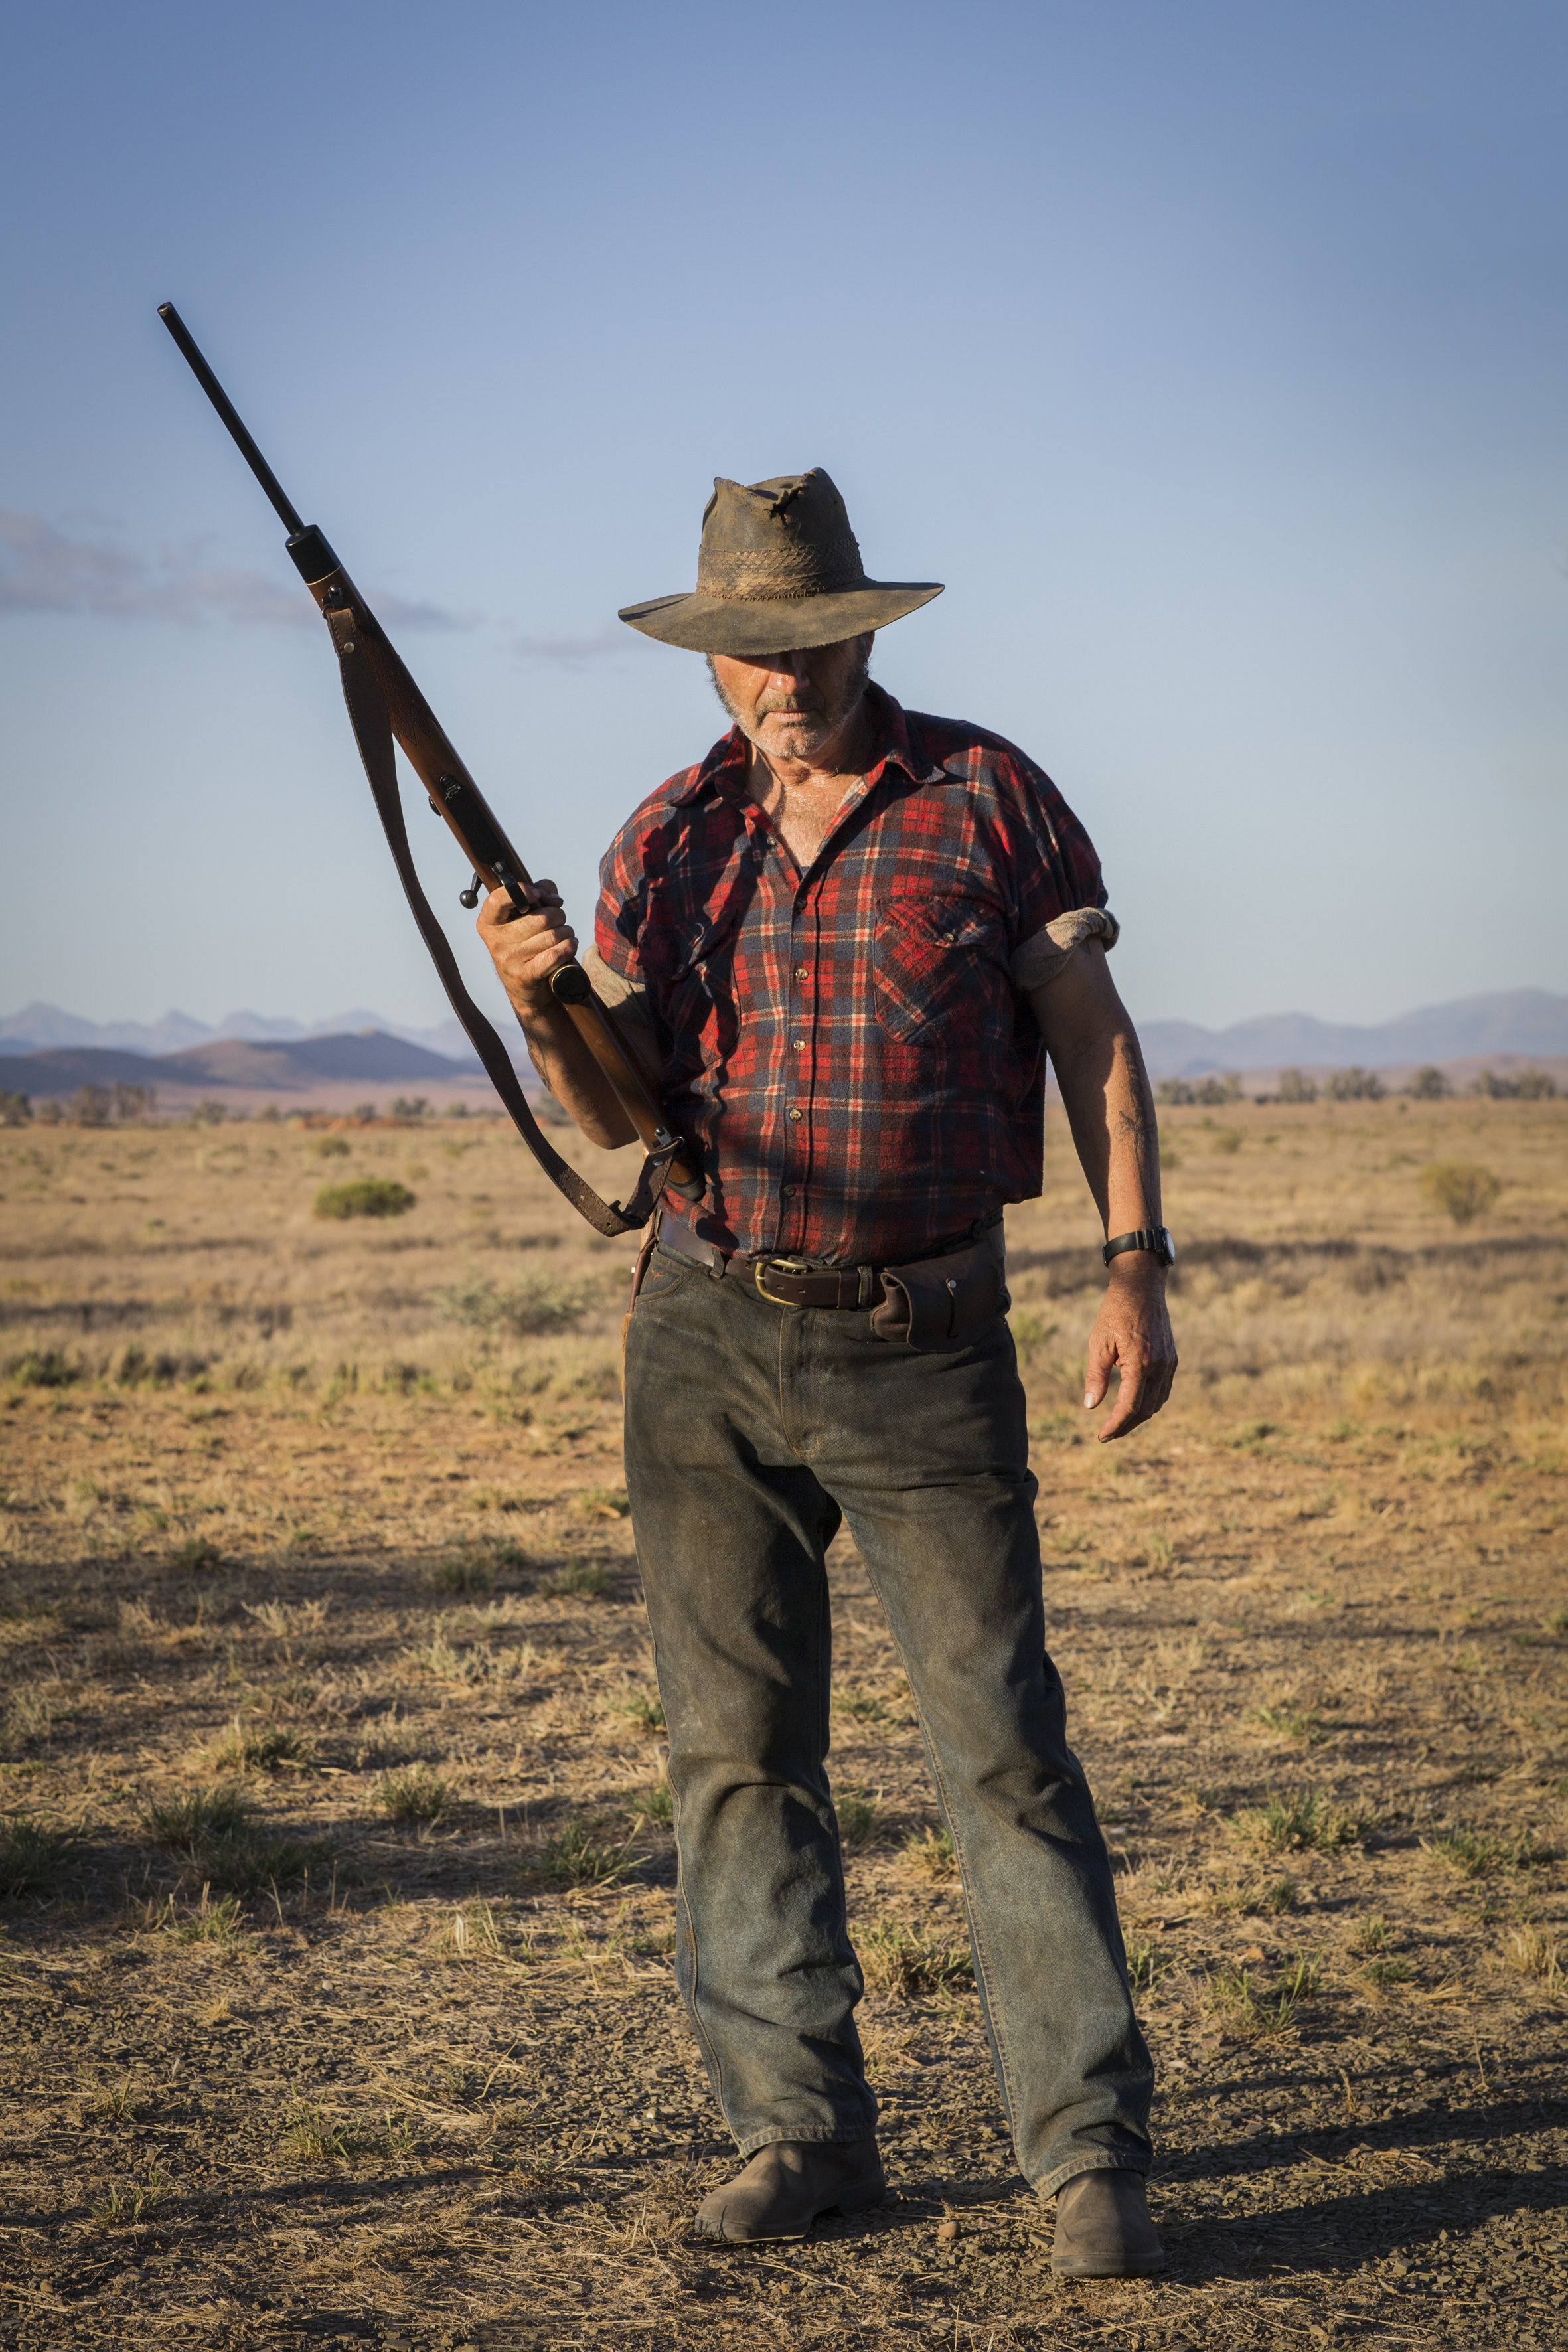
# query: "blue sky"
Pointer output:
{"type": "Point", "coordinates": [1215, 356]}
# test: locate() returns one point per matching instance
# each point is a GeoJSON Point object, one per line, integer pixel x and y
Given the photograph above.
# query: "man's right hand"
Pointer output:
{"type": "Point", "coordinates": [527, 948]}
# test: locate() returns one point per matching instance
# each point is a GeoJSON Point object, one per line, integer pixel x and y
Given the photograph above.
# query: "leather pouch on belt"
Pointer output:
{"type": "Point", "coordinates": [941, 1303]}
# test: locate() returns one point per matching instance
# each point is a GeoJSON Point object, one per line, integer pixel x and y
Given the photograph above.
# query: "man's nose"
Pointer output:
{"type": "Point", "coordinates": [786, 668]}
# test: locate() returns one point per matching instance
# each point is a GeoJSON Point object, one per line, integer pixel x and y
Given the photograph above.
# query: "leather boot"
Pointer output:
{"type": "Point", "coordinates": [1103, 2228]}
{"type": "Point", "coordinates": [788, 2184]}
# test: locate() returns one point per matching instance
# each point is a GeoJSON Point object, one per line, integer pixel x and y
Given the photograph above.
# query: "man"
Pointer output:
{"type": "Point", "coordinates": [848, 938]}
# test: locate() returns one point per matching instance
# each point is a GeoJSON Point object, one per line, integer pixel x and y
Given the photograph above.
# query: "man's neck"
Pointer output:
{"type": "Point", "coordinates": [801, 796]}
{"type": "Point", "coordinates": [844, 752]}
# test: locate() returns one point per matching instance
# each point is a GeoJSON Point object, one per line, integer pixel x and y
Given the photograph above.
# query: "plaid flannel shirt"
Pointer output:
{"type": "Point", "coordinates": [846, 1047]}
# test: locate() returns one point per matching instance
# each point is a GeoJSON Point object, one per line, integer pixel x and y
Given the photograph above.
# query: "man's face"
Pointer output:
{"type": "Point", "coordinates": [790, 703]}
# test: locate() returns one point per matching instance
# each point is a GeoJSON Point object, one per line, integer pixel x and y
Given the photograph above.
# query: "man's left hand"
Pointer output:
{"type": "Point", "coordinates": [1131, 1336]}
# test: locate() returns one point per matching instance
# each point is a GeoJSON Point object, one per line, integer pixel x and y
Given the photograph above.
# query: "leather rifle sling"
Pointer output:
{"type": "Point", "coordinates": [372, 723]}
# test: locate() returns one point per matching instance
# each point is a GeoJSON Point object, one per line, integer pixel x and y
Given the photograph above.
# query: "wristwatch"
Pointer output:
{"type": "Point", "coordinates": [1156, 1239]}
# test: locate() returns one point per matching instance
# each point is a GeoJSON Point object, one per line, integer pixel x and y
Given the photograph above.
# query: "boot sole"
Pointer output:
{"type": "Point", "coordinates": [1130, 2266]}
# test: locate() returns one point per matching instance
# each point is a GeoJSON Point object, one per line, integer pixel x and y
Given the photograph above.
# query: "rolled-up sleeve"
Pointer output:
{"type": "Point", "coordinates": [1044, 956]}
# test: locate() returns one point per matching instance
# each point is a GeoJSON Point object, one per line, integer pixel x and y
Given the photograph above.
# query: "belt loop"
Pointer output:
{"type": "Point", "coordinates": [866, 1277]}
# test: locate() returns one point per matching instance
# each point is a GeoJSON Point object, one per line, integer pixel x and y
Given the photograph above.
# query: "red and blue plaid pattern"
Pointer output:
{"type": "Point", "coordinates": [845, 1047]}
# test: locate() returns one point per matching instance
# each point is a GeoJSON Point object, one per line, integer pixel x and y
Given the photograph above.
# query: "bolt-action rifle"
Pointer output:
{"type": "Point", "coordinates": [383, 702]}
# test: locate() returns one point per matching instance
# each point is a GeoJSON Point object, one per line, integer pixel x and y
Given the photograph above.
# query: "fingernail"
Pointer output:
{"type": "Point", "coordinates": [1089, 1404]}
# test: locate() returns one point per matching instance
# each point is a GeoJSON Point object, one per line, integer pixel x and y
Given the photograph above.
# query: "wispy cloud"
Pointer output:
{"type": "Point", "coordinates": [571, 650]}
{"type": "Point", "coordinates": [43, 570]}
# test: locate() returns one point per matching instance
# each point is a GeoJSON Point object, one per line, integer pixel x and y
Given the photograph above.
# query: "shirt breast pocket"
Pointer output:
{"type": "Point", "coordinates": [939, 964]}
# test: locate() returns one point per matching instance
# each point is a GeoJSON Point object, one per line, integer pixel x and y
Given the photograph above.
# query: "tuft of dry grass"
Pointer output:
{"type": "Point", "coordinates": [576, 1857]}
{"type": "Point", "coordinates": [130, 2202]}
{"type": "Point", "coordinates": [1301, 1821]}
{"type": "Point", "coordinates": [1532, 1952]}
{"type": "Point", "coordinates": [928, 1853]}
{"type": "Point", "coordinates": [313, 2136]}
{"type": "Point", "coordinates": [1250, 2009]}
{"type": "Point", "coordinates": [417, 1794]}
{"type": "Point", "coordinates": [32, 1858]}
{"type": "Point", "coordinates": [1477, 1853]}
{"type": "Point", "coordinates": [911, 1961]}
{"type": "Point", "coordinates": [262, 1747]}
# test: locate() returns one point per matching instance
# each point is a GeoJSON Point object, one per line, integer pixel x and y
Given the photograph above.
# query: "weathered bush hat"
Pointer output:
{"type": "Point", "coordinates": [779, 568]}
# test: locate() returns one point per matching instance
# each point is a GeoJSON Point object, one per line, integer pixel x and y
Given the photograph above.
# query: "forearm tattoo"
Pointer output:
{"type": "Point", "coordinates": [1135, 1120]}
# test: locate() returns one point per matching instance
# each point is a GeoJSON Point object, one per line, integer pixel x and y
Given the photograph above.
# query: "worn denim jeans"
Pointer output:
{"type": "Point", "coordinates": [753, 1431]}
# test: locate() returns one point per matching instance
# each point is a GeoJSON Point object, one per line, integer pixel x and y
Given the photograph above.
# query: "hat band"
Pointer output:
{"type": "Point", "coordinates": [763, 575]}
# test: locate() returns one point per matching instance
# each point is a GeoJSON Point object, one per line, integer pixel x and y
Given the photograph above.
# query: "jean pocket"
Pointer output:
{"type": "Point", "coordinates": [938, 962]}
{"type": "Point", "coordinates": [666, 1274]}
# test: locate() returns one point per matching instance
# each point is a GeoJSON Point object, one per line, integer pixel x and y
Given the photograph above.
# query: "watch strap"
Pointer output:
{"type": "Point", "coordinates": [1156, 1239]}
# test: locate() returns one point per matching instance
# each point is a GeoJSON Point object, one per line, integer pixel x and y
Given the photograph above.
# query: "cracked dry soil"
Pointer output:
{"type": "Point", "coordinates": [335, 1951]}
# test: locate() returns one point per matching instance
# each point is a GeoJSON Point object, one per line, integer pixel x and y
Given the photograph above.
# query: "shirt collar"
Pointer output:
{"type": "Point", "coordinates": [897, 743]}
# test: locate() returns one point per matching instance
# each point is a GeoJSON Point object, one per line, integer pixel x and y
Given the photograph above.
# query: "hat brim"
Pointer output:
{"type": "Point", "coordinates": [733, 624]}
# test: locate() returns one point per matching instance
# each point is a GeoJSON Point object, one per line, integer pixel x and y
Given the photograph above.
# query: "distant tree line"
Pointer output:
{"type": "Point", "coordinates": [115, 1106]}
{"type": "Point", "coordinates": [1356, 1085]}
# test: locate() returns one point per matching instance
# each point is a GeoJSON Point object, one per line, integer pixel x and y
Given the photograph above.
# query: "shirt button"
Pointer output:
{"type": "Point", "coordinates": [797, 1114]}
{"type": "Point", "coordinates": [786, 1191]}
{"type": "Point", "coordinates": [799, 1044]}
{"type": "Point", "coordinates": [800, 972]}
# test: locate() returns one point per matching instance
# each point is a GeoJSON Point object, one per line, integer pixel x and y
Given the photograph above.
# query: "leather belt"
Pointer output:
{"type": "Point", "coordinates": [786, 1281]}
{"type": "Point", "coordinates": [796, 1281]}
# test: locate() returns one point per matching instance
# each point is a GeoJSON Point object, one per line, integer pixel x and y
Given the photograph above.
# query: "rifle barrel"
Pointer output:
{"type": "Point", "coordinates": [230, 416]}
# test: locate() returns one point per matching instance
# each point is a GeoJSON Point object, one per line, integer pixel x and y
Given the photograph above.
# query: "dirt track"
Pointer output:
{"type": "Point", "coordinates": [318, 1598]}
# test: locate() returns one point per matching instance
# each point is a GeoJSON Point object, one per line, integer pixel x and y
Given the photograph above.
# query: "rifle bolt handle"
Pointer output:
{"type": "Point", "coordinates": [470, 896]}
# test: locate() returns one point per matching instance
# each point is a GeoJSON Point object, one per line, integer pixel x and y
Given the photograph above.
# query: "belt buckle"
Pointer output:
{"type": "Point", "coordinates": [765, 1265]}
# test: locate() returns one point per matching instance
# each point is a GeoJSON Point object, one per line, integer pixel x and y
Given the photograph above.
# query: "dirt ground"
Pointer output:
{"type": "Point", "coordinates": [338, 1877]}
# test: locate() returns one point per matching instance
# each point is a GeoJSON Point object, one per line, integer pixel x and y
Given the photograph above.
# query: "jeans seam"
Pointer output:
{"type": "Point", "coordinates": [684, 1928]}
{"type": "Point", "coordinates": [1005, 2080]}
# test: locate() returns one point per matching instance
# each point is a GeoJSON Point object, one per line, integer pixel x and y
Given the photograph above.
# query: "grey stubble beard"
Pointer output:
{"type": "Point", "coordinates": [854, 687]}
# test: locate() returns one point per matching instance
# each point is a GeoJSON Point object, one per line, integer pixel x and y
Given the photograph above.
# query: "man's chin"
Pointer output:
{"type": "Point", "coordinates": [793, 742]}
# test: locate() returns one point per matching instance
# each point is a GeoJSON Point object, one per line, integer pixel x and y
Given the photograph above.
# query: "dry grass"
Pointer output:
{"type": "Point", "coordinates": [336, 1842]}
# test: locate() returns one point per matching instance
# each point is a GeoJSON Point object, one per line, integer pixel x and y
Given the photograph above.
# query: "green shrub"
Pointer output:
{"type": "Point", "coordinates": [330, 1146]}
{"type": "Point", "coordinates": [1428, 1085]}
{"type": "Point", "coordinates": [1461, 1187]}
{"type": "Point", "coordinates": [366, 1196]}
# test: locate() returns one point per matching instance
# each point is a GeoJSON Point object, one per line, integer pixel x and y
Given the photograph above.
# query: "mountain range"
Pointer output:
{"type": "Point", "coordinates": [1528, 1022]}
{"type": "Point", "coordinates": [44, 1051]}
{"type": "Point", "coordinates": [39, 1027]}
